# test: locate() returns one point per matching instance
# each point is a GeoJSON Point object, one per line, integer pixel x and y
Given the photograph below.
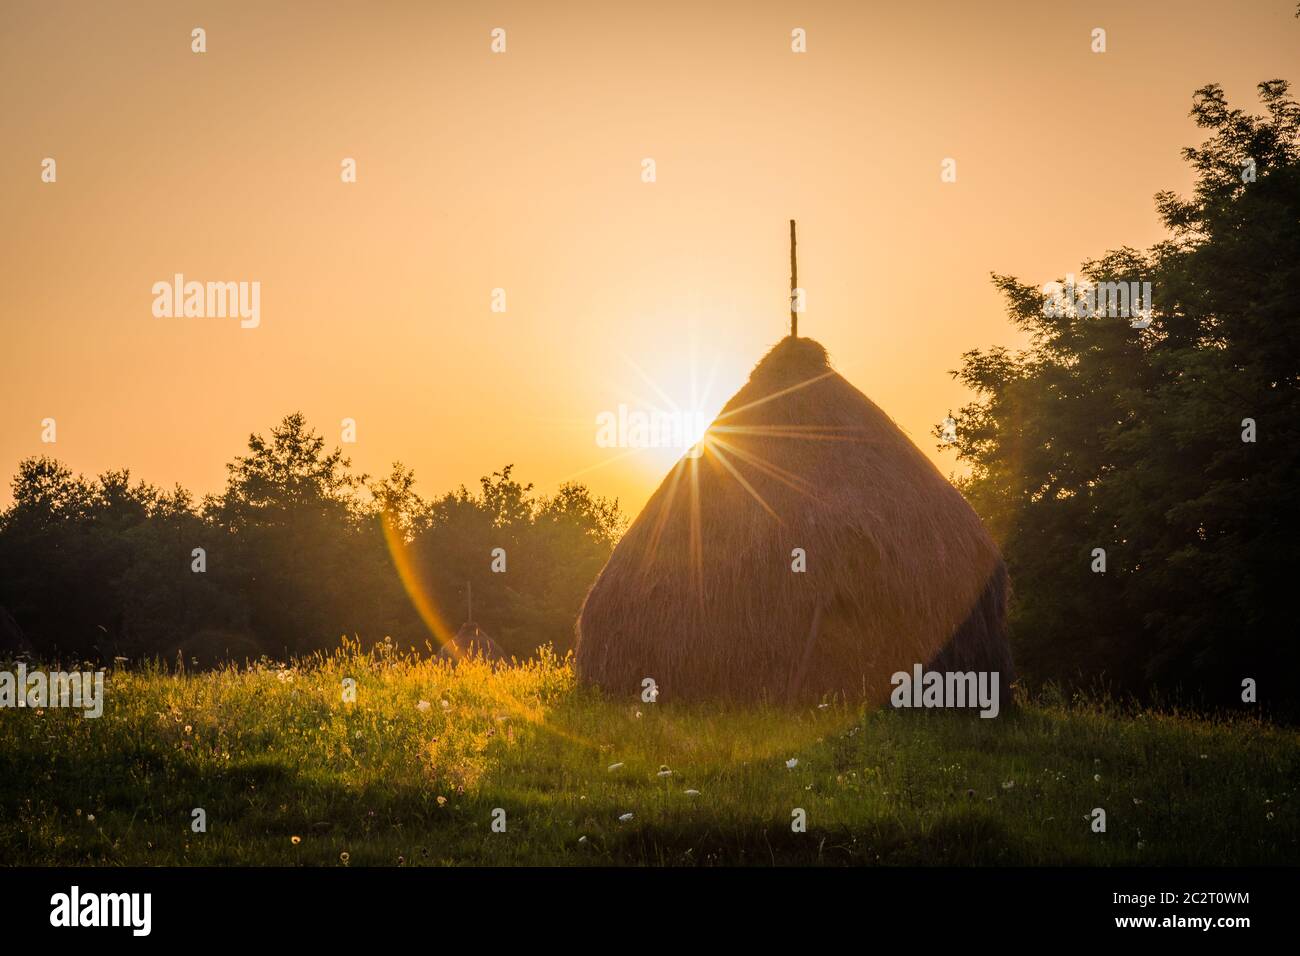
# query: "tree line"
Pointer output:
{"type": "Point", "coordinates": [292, 555]}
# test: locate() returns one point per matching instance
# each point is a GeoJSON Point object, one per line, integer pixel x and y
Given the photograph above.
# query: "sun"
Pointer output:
{"type": "Point", "coordinates": [670, 414]}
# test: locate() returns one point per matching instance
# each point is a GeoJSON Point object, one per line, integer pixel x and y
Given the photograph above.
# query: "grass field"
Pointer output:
{"type": "Point", "coordinates": [288, 773]}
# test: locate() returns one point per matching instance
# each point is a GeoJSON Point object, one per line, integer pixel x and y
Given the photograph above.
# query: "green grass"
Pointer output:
{"type": "Point", "coordinates": [273, 754]}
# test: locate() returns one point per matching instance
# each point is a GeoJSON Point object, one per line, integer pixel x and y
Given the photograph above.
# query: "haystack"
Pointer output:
{"type": "Point", "coordinates": [471, 641]}
{"type": "Point", "coordinates": [12, 638]}
{"type": "Point", "coordinates": [701, 594]}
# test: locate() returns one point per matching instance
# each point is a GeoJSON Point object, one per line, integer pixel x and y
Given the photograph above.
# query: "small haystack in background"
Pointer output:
{"type": "Point", "coordinates": [471, 640]}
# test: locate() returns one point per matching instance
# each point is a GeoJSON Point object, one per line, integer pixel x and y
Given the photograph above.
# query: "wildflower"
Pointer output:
{"type": "Point", "coordinates": [442, 801]}
{"type": "Point", "coordinates": [424, 706]}
{"type": "Point", "coordinates": [638, 715]}
{"type": "Point", "coordinates": [401, 861]}
{"type": "Point", "coordinates": [1267, 816]}
{"type": "Point", "coordinates": [664, 771]}
{"type": "Point", "coordinates": [792, 763]}
{"type": "Point", "coordinates": [344, 857]}
{"type": "Point", "coordinates": [614, 766]}
{"type": "Point", "coordinates": [189, 729]}
{"type": "Point", "coordinates": [1097, 777]}
{"type": "Point", "coordinates": [624, 818]}
{"type": "Point", "coordinates": [91, 817]}
{"type": "Point", "coordinates": [295, 840]}
{"type": "Point", "coordinates": [445, 704]}
{"type": "Point", "coordinates": [1010, 784]}
{"type": "Point", "coordinates": [692, 793]}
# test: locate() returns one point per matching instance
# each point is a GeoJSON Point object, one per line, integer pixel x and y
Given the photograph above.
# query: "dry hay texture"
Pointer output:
{"type": "Point", "coordinates": [700, 596]}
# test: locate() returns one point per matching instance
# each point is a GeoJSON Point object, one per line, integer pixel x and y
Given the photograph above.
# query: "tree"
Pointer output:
{"type": "Point", "coordinates": [1100, 435]}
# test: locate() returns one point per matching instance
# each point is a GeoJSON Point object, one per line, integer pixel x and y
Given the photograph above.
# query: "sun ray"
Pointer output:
{"type": "Point", "coordinates": [784, 391]}
{"type": "Point", "coordinates": [697, 541]}
{"type": "Point", "coordinates": [651, 382]}
{"type": "Point", "coordinates": [807, 432]}
{"type": "Point", "coordinates": [600, 464]}
{"type": "Point", "coordinates": [722, 459]}
{"type": "Point", "coordinates": [665, 509]}
{"type": "Point", "coordinates": [789, 478]}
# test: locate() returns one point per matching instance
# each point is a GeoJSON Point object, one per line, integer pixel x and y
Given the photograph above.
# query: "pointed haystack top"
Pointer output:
{"type": "Point", "coordinates": [810, 549]}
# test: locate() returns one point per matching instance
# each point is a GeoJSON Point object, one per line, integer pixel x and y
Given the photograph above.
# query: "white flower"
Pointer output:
{"type": "Point", "coordinates": [624, 818]}
{"type": "Point", "coordinates": [1009, 785]}
{"type": "Point", "coordinates": [614, 766]}
{"type": "Point", "coordinates": [1097, 777]}
{"type": "Point", "coordinates": [792, 762]}
{"type": "Point", "coordinates": [664, 771]}
{"type": "Point", "coordinates": [445, 703]}
{"type": "Point", "coordinates": [423, 706]}
{"type": "Point", "coordinates": [692, 793]}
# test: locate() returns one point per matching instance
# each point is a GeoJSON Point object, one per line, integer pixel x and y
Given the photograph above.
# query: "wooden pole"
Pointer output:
{"type": "Point", "coordinates": [794, 283]}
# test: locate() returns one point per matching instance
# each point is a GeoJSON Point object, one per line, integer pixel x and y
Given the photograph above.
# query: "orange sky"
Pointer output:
{"type": "Point", "coordinates": [522, 171]}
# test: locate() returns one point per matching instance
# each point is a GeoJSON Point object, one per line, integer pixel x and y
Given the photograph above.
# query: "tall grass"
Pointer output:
{"type": "Point", "coordinates": [411, 772]}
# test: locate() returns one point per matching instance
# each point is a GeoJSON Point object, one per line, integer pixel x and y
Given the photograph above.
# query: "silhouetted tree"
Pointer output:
{"type": "Point", "coordinates": [296, 555]}
{"type": "Point", "coordinates": [1100, 435]}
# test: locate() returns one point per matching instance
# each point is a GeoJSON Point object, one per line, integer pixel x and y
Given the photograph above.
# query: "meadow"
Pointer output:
{"type": "Point", "coordinates": [418, 767]}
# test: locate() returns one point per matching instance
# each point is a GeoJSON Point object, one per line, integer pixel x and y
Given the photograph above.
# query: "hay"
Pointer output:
{"type": "Point", "coordinates": [700, 596]}
{"type": "Point", "coordinates": [472, 641]}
